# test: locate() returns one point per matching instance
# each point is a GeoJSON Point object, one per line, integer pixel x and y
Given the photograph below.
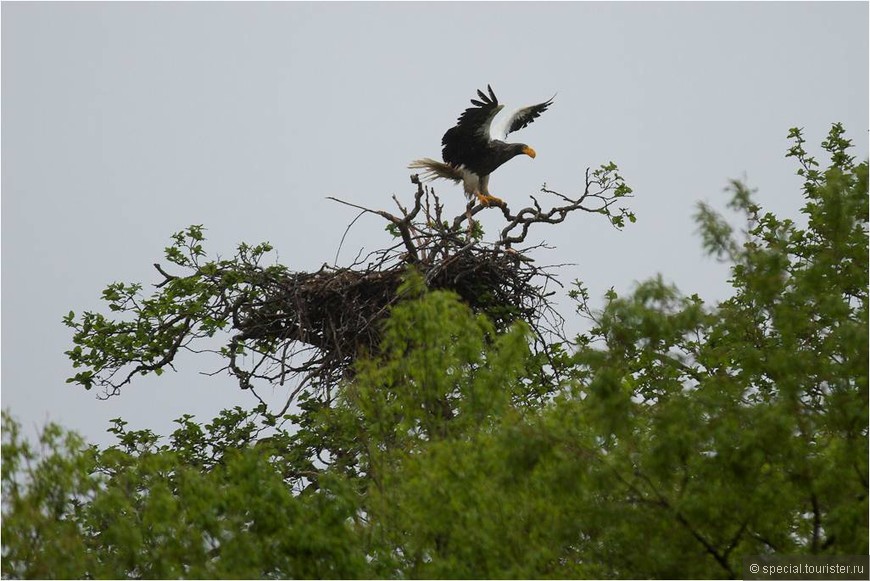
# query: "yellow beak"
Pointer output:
{"type": "Point", "coordinates": [530, 152]}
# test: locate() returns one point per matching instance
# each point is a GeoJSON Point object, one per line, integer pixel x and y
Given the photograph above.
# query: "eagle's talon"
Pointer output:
{"type": "Point", "coordinates": [486, 200]}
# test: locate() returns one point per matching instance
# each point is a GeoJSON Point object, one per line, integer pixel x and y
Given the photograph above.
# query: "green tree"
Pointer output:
{"type": "Point", "coordinates": [670, 440]}
{"type": "Point", "coordinates": [212, 503]}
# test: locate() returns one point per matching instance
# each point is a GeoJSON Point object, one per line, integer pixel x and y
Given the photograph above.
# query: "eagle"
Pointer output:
{"type": "Point", "coordinates": [474, 148]}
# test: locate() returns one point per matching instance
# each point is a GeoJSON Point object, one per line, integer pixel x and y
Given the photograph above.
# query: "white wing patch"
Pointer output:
{"type": "Point", "coordinates": [487, 129]}
{"type": "Point", "coordinates": [500, 129]}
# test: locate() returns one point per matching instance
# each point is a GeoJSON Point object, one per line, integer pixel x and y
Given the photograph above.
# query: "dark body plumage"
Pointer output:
{"type": "Point", "coordinates": [472, 150]}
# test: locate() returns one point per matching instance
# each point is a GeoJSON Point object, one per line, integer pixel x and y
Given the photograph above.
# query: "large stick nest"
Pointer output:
{"type": "Point", "coordinates": [339, 310]}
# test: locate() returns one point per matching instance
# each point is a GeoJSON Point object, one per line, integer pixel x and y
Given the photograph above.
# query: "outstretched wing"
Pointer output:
{"type": "Point", "coordinates": [472, 128]}
{"type": "Point", "coordinates": [520, 118]}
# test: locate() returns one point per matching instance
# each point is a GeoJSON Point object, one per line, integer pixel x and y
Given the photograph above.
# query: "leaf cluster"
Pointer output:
{"type": "Point", "coordinates": [211, 504]}
{"type": "Point", "coordinates": [148, 332]}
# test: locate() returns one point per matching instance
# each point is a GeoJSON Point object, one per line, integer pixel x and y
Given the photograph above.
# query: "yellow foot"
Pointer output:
{"type": "Point", "coordinates": [487, 201]}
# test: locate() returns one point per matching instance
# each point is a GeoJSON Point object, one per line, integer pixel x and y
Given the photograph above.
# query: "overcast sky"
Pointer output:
{"type": "Point", "coordinates": [125, 122]}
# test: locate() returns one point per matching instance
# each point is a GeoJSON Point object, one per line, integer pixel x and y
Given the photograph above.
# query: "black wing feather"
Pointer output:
{"type": "Point", "coordinates": [528, 114]}
{"type": "Point", "coordinates": [471, 133]}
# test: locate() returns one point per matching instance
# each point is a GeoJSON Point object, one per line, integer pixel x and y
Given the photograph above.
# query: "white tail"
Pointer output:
{"type": "Point", "coordinates": [433, 169]}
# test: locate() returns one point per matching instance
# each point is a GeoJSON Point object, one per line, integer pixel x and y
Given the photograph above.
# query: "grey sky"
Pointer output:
{"type": "Point", "coordinates": [125, 122]}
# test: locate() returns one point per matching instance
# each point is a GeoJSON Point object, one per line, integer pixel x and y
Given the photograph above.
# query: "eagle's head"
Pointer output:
{"type": "Point", "coordinates": [510, 150]}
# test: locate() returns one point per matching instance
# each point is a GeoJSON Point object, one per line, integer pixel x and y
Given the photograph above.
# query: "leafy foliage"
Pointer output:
{"type": "Point", "coordinates": [187, 309]}
{"type": "Point", "coordinates": [210, 505]}
{"type": "Point", "coordinates": [674, 438]}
